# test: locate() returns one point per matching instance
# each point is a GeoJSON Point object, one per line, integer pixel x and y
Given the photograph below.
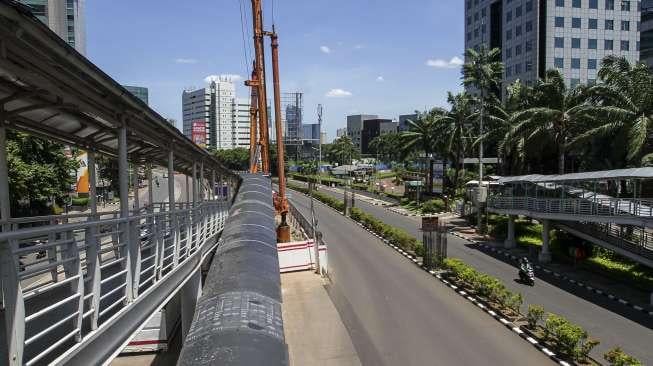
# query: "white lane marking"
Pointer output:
{"type": "Point", "coordinates": [548, 353]}
{"type": "Point", "coordinates": [531, 339]}
{"type": "Point", "coordinates": [504, 321]}
{"type": "Point", "coordinates": [517, 330]}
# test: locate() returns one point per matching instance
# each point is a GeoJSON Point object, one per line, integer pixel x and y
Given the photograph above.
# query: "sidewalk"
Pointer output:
{"type": "Point", "coordinates": [314, 331]}
{"type": "Point", "coordinates": [595, 282]}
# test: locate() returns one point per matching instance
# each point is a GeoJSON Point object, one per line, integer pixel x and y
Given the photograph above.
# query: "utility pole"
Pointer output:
{"type": "Point", "coordinates": [479, 214]}
{"type": "Point", "coordinates": [257, 22]}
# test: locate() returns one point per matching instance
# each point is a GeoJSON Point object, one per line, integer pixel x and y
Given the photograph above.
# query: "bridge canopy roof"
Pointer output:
{"type": "Point", "coordinates": [615, 174]}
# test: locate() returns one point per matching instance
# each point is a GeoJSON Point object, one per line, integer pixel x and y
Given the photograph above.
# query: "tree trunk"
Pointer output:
{"type": "Point", "coordinates": [561, 162]}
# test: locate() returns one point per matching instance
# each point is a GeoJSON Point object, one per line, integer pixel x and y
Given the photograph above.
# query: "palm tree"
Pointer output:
{"type": "Point", "coordinates": [483, 70]}
{"type": "Point", "coordinates": [625, 106]}
{"type": "Point", "coordinates": [453, 127]}
{"type": "Point", "coordinates": [559, 114]}
{"type": "Point", "coordinates": [343, 150]}
{"type": "Point", "coordinates": [422, 136]}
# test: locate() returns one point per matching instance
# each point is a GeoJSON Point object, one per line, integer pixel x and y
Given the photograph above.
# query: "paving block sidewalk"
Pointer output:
{"type": "Point", "coordinates": [314, 332]}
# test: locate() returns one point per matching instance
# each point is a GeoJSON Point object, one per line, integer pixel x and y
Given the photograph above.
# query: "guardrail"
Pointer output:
{"type": "Point", "coordinates": [238, 318]}
{"type": "Point", "coordinates": [634, 239]}
{"type": "Point", "coordinates": [66, 282]}
{"type": "Point", "coordinates": [575, 206]}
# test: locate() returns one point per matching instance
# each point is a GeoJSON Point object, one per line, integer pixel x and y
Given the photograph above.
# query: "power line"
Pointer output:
{"type": "Point", "coordinates": [243, 20]}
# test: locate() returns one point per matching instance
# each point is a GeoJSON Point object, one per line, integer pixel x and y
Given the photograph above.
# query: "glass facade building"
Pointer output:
{"type": "Point", "coordinates": [64, 17]}
{"type": "Point", "coordinates": [139, 92]}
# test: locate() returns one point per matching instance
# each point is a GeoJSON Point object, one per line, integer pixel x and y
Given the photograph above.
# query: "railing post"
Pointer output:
{"type": "Point", "coordinates": [5, 204]}
{"type": "Point", "coordinates": [93, 245]}
{"type": "Point", "coordinates": [74, 268]}
{"type": "Point", "coordinates": [174, 225]}
{"type": "Point", "coordinates": [125, 234]}
{"type": "Point", "coordinates": [14, 303]}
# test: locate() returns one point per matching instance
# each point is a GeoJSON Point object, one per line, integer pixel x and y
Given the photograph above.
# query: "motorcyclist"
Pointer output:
{"type": "Point", "coordinates": [524, 264]}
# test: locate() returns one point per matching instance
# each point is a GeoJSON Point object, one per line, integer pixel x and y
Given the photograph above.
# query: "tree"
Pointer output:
{"type": "Point", "coordinates": [558, 115]}
{"type": "Point", "coordinates": [625, 107]}
{"type": "Point", "coordinates": [38, 172]}
{"type": "Point", "coordinates": [422, 136]}
{"type": "Point", "coordinates": [234, 159]}
{"type": "Point", "coordinates": [453, 129]}
{"type": "Point", "coordinates": [342, 150]}
{"type": "Point", "coordinates": [386, 147]}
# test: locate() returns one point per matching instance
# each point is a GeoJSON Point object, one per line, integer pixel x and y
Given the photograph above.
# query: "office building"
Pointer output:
{"type": "Point", "coordinates": [64, 17]}
{"type": "Point", "coordinates": [224, 117]}
{"type": "Point", "coordinates": [355, 127]}
{"type": "Point", "coordinates": [311, 132]}
{"type": "Point", "coordinates": [570, 35]}
{"type": "Point", "coordinates": [341, 132]}
{"type": "Point", "coordinates": [292, 107]}
{"type": "Point", "coordinates": [139, 92]}
{"type": "Point", "coordinates": [403, 121]}
{"type": "Point", "coordinates": [646, 33]}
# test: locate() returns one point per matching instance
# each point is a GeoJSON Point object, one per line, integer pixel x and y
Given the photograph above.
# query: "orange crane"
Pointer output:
{"type": "Point", "coordinates": [259, 142]}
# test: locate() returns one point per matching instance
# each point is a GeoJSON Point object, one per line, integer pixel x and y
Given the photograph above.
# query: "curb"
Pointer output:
{"type": "Point", "coordinates": [462, 293]}
{"type": "Point", "coordinates": [559, 276]}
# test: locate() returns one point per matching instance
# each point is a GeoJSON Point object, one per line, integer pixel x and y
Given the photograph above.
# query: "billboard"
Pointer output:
{"type": "Point", "coordinates": [198, 133]}
{"type": "Point", "coordinates": [438, 176]}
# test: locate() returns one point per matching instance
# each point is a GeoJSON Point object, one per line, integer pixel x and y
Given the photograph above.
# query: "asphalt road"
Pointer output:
{"type": "Point", "coordinates": [604, 319]}
{"type": "Point", "coordinates": [397, 314]}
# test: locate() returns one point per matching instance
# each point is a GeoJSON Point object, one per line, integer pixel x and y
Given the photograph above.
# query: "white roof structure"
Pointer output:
{"type": "Point", "coordinates": [632, 173]}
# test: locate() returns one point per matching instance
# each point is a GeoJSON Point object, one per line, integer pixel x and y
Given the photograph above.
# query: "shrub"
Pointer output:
{"type": "Point", "coordinates": [514, 302]}
{"type": "Point", "coordinates": [570, 338]}
{"type": "Point", "coordinates": [534, 315]}
{"type": "Point", "coordinates": [433, 206]}
{"type": "Point", "coordinates": [617, 357]}
{"type": "Point", "coordinates": [80, 201]}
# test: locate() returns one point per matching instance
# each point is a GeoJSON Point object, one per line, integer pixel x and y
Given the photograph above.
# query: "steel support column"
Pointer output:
{"type": "Point", "coordinates": [135, 184]}
{"type": "Point", "coordinates": [545, 254]}
{"type": "Point", "coordinates": [150, 189]}
{"type": "Point", "coordinates": [93, 244]}
{"type": "Point", "coordinates": [130, 249]}
{"type": "Point", "coordinates": [5, 204]}
{"type": "Point", "coordinates": [174, 235]}
{"type": "Point", "coordinates": [200, 181]}
{"type": "Point", "coordinates": [194, 184]}
{"type": "Point", "coordinates": [510, 237]}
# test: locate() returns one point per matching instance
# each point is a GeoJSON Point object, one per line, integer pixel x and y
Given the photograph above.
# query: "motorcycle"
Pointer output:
{"type": "Point", "coordinates": [526, 275]}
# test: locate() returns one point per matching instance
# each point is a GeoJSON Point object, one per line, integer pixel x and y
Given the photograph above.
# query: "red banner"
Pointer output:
{"type": "Point", "coordinates": [198, 133]}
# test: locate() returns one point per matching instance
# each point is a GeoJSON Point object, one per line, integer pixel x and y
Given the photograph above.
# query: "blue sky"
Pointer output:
{"type": "Point", "coordinates": [382, 57]}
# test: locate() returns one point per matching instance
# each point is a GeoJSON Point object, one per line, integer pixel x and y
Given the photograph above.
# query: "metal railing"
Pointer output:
{"type": "Point", "coordinates": [631, 238]}
{"type": "Point", "coordinates": [64, 277]}
{"type": "Point", "coordinates": [575, 206]}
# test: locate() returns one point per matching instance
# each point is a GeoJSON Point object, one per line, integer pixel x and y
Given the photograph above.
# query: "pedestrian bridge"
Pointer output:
{"type": "Point", "coordinates": [76, 288]}
{"type": "Point", "coordinates": [605, 207]}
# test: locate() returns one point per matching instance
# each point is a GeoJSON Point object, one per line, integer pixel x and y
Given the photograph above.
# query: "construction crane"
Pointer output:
{"type": "Point", "coordinates": [259, 136]}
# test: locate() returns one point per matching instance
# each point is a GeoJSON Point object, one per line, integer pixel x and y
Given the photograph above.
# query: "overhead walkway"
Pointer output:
{"type": "Point", "coordinates": [76, 288]}
{"type": "Point", "coordinates": [580, 204]}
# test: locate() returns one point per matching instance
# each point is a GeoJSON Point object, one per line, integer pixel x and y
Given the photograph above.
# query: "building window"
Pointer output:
{"type": "Point", "coordinates": [625, 45]}
{"type": "Point", "coordinates": [518, 31]}
{"type": "Point", "coordinates": [574, 82]}
{"type": "Point", "coordinates": [639, 26]}
{"type": "Point", "coordinates": [559, 62]}
{"type": "Point", "coordinates": [609, 4]}
{"type": "Point", "coordinates": [575, 63]}
{"type": "Point", "coordinates": [529, 5]}
{"type": "Point", "coordinates": [483, 13]}
{"type": "Point", "coordinates": [560, 3]}
{"type": "Point", "coordinates": [591, 64]}
{"type": "Point", "coordinates": [608, 44]}
{"type": "Point", "coordinates": [508, 16]}
{"type": "Point", "coordinates": [575, 4]}
{"type": "Point", "coordinates": [594, 4]}
{"type": "Point", "coordinates": [517, 50]}
{"type": "Point", "coordinates": [469, 36]}
{"type": "Point", "coordinates": [483, 29]}
{"type": "Point", "coordinates": [518, 11]}
{"type": "Point", "coordinates": [575, 22]}
{"type": "Point", "coordinates": [591, 43]}
{"type": "Point", "coordinates": [560, 22]}
{"type": "Point", "coordinates": [508, 71]}
{"type": "Point", "coordinates": [508, 52]}
{"type": "Point", "coordinates": [625, 25]}
{"type": "Point", "coordinates": [518, 68]}
{"type": "Point", "coordinates": [593, 23]}
{"type": "Point", "coordinates": [476, 33]}
{"type": "Point", "coordinates": [529, 46]}
{"type": "Point", "coordinates": [575, 43]}
{"type": "Point", "coordinates": [529, 26]}
{"type": "Point", "coordinates": [609, 24]}
{"type": "Point", "coordinates": [469, 20]}
{"type": "Point", "coordinates": [625, 5]}
{"type": "Point", "coordinates": [559, 42]}
{"type": "Point", "coordinates": [509, 34]}
{"type": "Point", "coordinates": [476, 17]}
{"type": "Point", "coordinates": [529, 66]}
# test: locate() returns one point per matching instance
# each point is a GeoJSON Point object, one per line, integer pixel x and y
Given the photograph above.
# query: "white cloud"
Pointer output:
{"type": "Point", "coordinates": [231, 77]}
{"type": "Point", "coordinates": [443, 64]}
{"type": "Point", "coordinates": [186, 61]}
{"type": "Point", "coordinates": [325, 49]}
{"type": "Point", "coordinates": [338, 93]}
{"type": "Point", "coordinates": [380, 79]}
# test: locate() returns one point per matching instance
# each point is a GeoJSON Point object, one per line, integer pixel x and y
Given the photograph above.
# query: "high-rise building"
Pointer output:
{"type": "Point", "coordinates": [355, 127]}
{"type": "Point", "coordinates": [292, 118]}
{"type": "Point", "coordinates": [570, 35]}
{"type": "Point", "coordinates": [225, 118]}
{"type": "Point", "coordinates": [139, 92]}
{"type": "Point", "coordinates": [646, 33]}
{"type": "Point", "coordinates": [403, 121]}
{"type": "Point", "coordinates": [341, 132]}
{"type": "Point", "coordinates": [64, 17]}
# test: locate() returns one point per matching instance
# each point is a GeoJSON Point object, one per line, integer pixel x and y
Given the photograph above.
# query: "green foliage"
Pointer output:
{"type": "Point", "coordinates": [433, 206]}
{"type": "Point", "coordinates": [570, 338]}
{"type": "Point", "coordinates": [80, 201]}
{"type": "Point", "coordinates": [38, 171]}
{"type": "Point", "coordinates": [534, 316]}
{"type": "Point", "coordinates": [235, 159]}
{"type": "Point", "coordinates": [617, 357]}
{"type": "Point", "coordinates": [341, 151]}
{"type": "Point", "coordinates": [385, 147]}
